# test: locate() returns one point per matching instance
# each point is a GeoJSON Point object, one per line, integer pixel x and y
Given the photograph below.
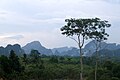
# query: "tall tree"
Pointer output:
{"type": "Point", "coordinates": [85, 29]}
{"type": "Point", "coordinates": [5, 64]}
{"type": "Point", "coordinates": [14, 62]}
{"type": "Point", "coordinates": [98, 34]}
{"type": "Point", "coordinates": [78, 30]}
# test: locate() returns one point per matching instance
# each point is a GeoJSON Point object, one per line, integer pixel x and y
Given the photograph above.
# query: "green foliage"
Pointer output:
{"type": "Point", "coordinates": [14, 62]}
{"type": "Point", "coordinates": [76, 27]}
{"type": "Point", "coordinates": [54, 59]}
{"type": "Point", "coordinates": [108, 65]}
{"type": "Point", "coordinates": [52, 70]}
{"type": "Point", "coordinates": [89, 28]}
{"type": "Point", "coordinates": [115, 78]}
{"type": "Point", "coordinates": [35, 56]}
{"type": "Point", "coordinates": [97, 29]}
{"type": "Point", "coordinates": [61, 59]}
{"type": "Point", "coordinates": [116, 70]}
{"type": "Point", "coordinates": [5, 65]}
{"type": "Point", "coordinates": [10, 67]}
{"type": "Point", "coordinates": [25, 60]}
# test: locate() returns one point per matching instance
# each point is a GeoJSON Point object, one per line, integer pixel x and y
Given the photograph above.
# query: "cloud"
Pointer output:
{"type": "Point", "coordinates": [113, 1]}
{"type": "Point", "coordinates": [10, 38]}
{"type": "Point", "coordinates": [16, 37]}
{"type": "Point", "coordinates": [45, 11]}
{"type": "Point", "coordinates": [109, 1]}
{"type": "Point", "coordinates": [48, 38]}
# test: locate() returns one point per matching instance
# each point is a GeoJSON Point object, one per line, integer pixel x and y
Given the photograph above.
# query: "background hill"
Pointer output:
{"type": "Point", "coordinates": [6, 50]}
{"type": "Point", "coordinates": [37, 46]}
{"type": "Point", "coordinates": [107, 48]}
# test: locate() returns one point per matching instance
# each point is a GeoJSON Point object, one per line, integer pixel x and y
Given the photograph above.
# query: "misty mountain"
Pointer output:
{"type": "Point", "coordinates": [89, 48]}
{"type": "Point", "coordinates": [37, 46]}
{"type": "Point", "coordinates": [66, 51]}
{"type": "Point", "coordinates": [6, 50]}
{"type": "Point", "coordinates": [61, 49]}
{"type": "Point", "coordinates": [73, 52]}
{"type": "Point", "coordinates": [109, 49]}
{"type": "Point", "coordinates": [108, 53]}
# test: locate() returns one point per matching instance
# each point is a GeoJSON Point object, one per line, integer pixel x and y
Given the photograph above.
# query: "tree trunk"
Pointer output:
{"type": "Point", "coordinates": [96, 65]}
{"type": "Point", "coordinates": [81, 65]}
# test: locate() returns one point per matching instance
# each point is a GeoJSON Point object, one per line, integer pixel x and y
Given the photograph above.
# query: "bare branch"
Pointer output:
{"type": "Point", "coordinates": [74, 39]}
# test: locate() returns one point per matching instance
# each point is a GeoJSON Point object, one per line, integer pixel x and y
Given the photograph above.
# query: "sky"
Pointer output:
{"type": "Point", "coordinates": [23, 21]}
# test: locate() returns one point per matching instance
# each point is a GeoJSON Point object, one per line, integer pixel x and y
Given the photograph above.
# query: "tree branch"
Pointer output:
{"type": "Point", "coordinates": [79, 43]}
{"type": "Point", "coordinates": [74, 39]}
{"type": "Point", "coordinates": [83, 41]}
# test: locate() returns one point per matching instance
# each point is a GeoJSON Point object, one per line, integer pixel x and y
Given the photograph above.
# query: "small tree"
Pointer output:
{"type": "Point", "coordinates": [53, 59]}
{"type": "Point", "coordinates": [35, 55]}
{"type": "Point", "coordinates": [80, 29]}
{"type": "Point", "coordinates": [25, 59]}
{"type": "Point", "coordinates": [98, 34]}
{"type": "Point", "coordinates": [62, 59]}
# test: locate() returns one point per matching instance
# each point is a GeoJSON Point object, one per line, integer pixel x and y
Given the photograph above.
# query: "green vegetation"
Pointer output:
{"type": "Point", "coordinates": [37, 67]}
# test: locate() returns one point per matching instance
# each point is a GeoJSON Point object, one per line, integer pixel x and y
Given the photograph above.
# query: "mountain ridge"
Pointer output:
{"type": "Point", "coordinates": [16, 47]}
{"type": "Point", "coordinates": [88, 50]}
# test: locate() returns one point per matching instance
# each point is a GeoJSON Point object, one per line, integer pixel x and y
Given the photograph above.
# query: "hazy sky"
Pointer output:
{"type": "Point", "coordinates": [23, 21]}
